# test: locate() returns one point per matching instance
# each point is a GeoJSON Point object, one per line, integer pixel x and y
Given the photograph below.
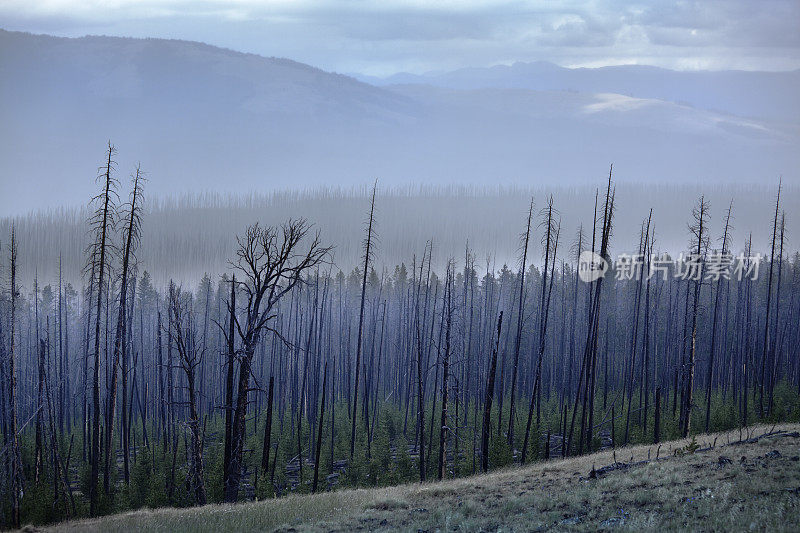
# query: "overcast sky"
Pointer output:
{"type": "Point", "coordinates": [388, 36]}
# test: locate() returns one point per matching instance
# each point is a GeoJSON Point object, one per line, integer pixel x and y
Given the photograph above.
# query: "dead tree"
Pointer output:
{"type": "Point", "coordinates": [585, 389]}
{"type": "Point", "coordinates": [16, 458]}
{"type": "Point", "coordinates": [268, 427]}
{"type": "Point", "coordinates": [644, 389]}
{"type": "Point", "coordinates": [190, 359]}
{"type": "Point", "coordinates": [102, 223]}
{"type": "Point", "coordinates": [319, 429]}
{"type": "Point", "coordinates": [765, 345]}
{"type": "Point", "coordinates": [229, 369]}
{"type": "Point", "coordinates": [38, 459]}
{"type": "Point", "coordinates": [775, 335]}
{"type": "Point", "coordinates": [272, 263]}
{"type": "Point", "coordinates": [420, 338]}
{"type": "Point", "coordinates": [657, 421]}
{"type": "Point", "coordinates": [551, 248]}
{"type": "Point", "coordinates": [637, 270]}
{"type": "Point", "coordinates": [131, 237]}
{"type": "Point", "coordinates": [712, 350]}
{"type": "Point", "coordinates": [699, 244]}
{"type": "Point", "coordinates": [367, 256]}
{"type": "Point", "coordinates": [520, 316]}
{"type": "Point", "coordinates": [443, 428]}
{"type": "Point", "coordinates": [487, 405]}
{"type": "Point", "coordinates": [162, 402]}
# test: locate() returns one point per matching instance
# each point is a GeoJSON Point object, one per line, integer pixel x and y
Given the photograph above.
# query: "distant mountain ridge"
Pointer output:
{"type": "Point", "coordinates": [770, 95]}
{"type": "Point", "coordinates": [199, 118]}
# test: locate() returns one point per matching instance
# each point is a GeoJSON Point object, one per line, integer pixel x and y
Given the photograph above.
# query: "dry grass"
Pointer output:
{"type": "Point", "coordinates": [757, 490]}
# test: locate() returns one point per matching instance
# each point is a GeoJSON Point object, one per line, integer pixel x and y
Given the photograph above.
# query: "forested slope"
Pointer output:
{"type": "Point", "coordinates": [715, 482]}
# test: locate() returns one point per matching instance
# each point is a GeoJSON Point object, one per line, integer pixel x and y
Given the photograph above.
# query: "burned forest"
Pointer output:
{"type": "Point", "coordinates": [290, 371]}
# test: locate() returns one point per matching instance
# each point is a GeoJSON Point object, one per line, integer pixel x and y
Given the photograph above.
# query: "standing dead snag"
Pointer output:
{"type": "Point", "coordinates": [644, 240]}
{"type": "Point", "coordinates": [272, 261]}
{"type": "Point", "coordinates": [102, 223]}
{"type": "Point", "coordinates": [699, 245]}
{"type": "Point", "coordinates": [712, 350]}
{"type": "Point", "coordinates": [16, 458]}
{"type": "Point", "coordinates": [367, 257]}
{"type": "Point", "coordinates": [776, 337]}
{"type": "Point", "coordinates": [587, 375]}
{"type": "Point", "coordinates": [131, 238]}
{"type": "Point", "coordinates": [267, 428]}
{"type": "Point", "coordinates": [765, 347]}
{"type": "Point", "coordinates": [550, 242]}
{"type": "Point", "coordinates": [487, 407]}
{"type": "Point", "coordinates": [447, 312]}
{"type": "Point", "coordinates": [319, 429]}
{"type": "Point", "coordinates": [231, 356]}
{"type": "Point", "coordinates": [520, 315]}
{"type": "Point", "coordinates": [420, 338]}
{"type": "Point", "coordinates": [184, 335]}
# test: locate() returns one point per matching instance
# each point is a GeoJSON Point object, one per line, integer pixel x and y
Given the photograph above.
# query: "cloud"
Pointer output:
{"type": "Point", "coordinates": [382, 37]}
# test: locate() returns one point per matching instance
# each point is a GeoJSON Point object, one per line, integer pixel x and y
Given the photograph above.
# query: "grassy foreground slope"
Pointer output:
{"type": "Point", "coordinates": [746, 481]}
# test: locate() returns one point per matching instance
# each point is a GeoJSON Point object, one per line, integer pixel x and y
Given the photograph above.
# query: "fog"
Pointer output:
{"type": "Point", "coordinates": [209, 119]}
{"type": "Point", "coordinates": [185, 237]}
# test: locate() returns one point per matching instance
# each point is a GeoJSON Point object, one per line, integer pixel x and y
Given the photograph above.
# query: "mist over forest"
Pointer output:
{"type": "Point", "coordinates": [188, 236]}
{"type": "Point", "coordinates": [227, 278]}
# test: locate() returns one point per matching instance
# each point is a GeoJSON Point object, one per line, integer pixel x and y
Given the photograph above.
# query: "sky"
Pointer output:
{"type": "Point", "coordinates": [384, 37]}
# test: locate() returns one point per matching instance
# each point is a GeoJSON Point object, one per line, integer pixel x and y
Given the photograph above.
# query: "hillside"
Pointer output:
{"type": "Point", "coordinates": [733, 481]}
{"type": "Point", "coordinates": [204, 118]}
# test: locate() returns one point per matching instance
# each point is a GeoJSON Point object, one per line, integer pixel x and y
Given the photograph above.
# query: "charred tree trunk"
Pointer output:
{"type": "Point", "coordinates": [16, 457]}
{"type": "Point", "coordinates": [712, 349]}
{"type": "Point", "coordinates": [700, 215]}
{"type": "Point", "coordinates": [104, 219]}
{"type": "Point", "coordinates": [319, 429]}
{"type": "Point", "coordinates": [487, 406]}
{"type": "Point", "coordinates": [520, 317]}
{"type": "Point", "coordinates": [229, 382]}
{"type": "Point", "coordinates": [367, 254]}
{"type": "Point", "coordinates": [443, 429]}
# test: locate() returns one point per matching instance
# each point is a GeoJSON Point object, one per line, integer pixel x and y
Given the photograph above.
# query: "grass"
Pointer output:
{"type": "Point", "coordinates": [728, 487]}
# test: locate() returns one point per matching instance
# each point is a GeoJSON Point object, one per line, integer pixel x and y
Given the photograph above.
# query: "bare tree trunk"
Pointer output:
{"type": "Point", "coordinates": [420, 336]}
{"type": "Point", "coordinates": [775, 336]}
{"type": "Point", "coordinates": [712, 349]}
{"type": "Point", "coordinates": [273, 267]}
{"type": "Point", "coordinates": [765, 345]}
{"type": "Point", "coordinates": [657, 423]}
{"type": "Point", "coordinates": [268, 428]}
{"type": "Point", "coordinates": [700, 214]}
{"type": "Point", "coordinates": [184, 335]}
{"type": "Point", "coordinates": [229, 383]}
{"type": "Point", "coordinates": [120, 343]}
{"type": "Point", "coordinates": [551, 248]}
{"type": "Point", "coordinates": [367, 252]}
{"type": "Point", "coordinates": [443, 429]}
{"type": "Point", "coordinates": [162, 401]}
{"type": "Point", "coordinates": [99, 260]}
{"type": "Point", "coordinates": [487, 407]}
{"type": "Point", "coordinates": [520, 317]}
{"type": "Point", "coordinates": [643, 244]}
{"type": "Point", "coordinates": [16, 458]}
{"type": "Point", "coordinates": [319, 429]}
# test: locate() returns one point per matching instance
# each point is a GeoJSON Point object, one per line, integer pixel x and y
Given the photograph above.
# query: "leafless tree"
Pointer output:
{"type": "Point", "coordinates": [272, 261]}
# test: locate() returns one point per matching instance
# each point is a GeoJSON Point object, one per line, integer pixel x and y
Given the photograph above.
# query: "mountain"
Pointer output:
{"type": "Point", "coordinates": [768, 95]}
{"type": "Point", "coordinates": [200, 118]}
